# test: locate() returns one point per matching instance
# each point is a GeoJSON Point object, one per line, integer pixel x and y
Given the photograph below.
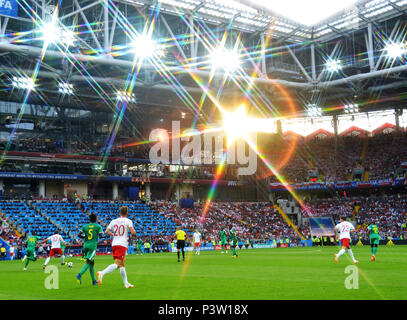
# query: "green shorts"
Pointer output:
{"type": "Point", "coordinates": [375, 240]}
{"type": "Point", "coordinates": [31, 254]}
{"type": "Point", "coordinates": [89, 253]}
{"type": "Point", "coordinates": [224, 243]}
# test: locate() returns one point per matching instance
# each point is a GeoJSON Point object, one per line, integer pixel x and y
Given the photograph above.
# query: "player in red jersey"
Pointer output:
{"type": "Point", "coordinates": [344, 228]}
{"type": "Point", "coordinates": [56, 250]}
{"type": "Point", "coordinates": [119, 229]}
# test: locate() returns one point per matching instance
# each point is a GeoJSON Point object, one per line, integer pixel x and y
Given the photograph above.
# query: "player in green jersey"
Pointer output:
{"type": "Point", "coordinates": [233, 243]}
{"type": "Point", "coordinates": [90, 233]}
{"type": "Point", "coordinates": [223, 241]}
{"type": "Point", "coordinates": [30, 244]}
{"type": "Point", "coordinates": [139, 246]}
{"type": "Point", "coordinates": [63, 247]}
{"type": "Point", "coordinates": [374, 239]}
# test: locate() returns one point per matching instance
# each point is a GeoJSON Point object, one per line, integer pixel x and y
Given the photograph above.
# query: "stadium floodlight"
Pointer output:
{"type": "Point", "coordinates": [183, 114]}
{"type": "Point", "coordinates": [395, 49]}
{"type": "Point", "coordinates": [67, 38]}
{"type": "Point", "coordinates": [314, 110]}
{"type": "Point", "coordinates": [25, 83]}
{"type": "Point", "coordinates": [65, 88]}
{"type": "Point", "coordinates": [125, 96]}
{"type": "Point", "coordinates": [222, 58]}
{"type": "Point", "coordinates": [143, 46]}
{"type": "Point", "coordinates": [351, 108]}
{"type": "Point", "coordinates": [333, 65]}
{"type": "Point", "coordinates": [51, 33]}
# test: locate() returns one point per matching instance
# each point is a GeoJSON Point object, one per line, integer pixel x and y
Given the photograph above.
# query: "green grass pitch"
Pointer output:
{"type": "Point", "coordinates": [283, 273]}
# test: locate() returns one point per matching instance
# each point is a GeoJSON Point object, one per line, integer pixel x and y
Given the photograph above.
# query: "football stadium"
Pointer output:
{"type": "Point", "coordinates": [203, 150]}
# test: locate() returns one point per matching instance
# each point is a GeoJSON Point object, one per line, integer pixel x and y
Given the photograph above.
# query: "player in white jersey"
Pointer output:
{"type": "Point", "coordinates": [56, 250]}
{"type": "Point", "coordinates": [119, 229]}
{"type": "Point", "coordinates": [12, 249]}
{"type": "Point", "coordinates": [344, 228]}
{"type": "Point", "coordinates": [197, 241]}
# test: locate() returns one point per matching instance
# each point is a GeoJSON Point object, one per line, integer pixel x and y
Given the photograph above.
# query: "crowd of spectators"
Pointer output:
{"type": "Point", "coordinates": [46, 145]}
{"type": "Point", "coordinates": [380, 155]}
{"type": "Point", "coordinates": [327, 159]}
{"type": "Point", "coordinates": [8, 234]}
{"type": "Point", "coordinates": [384, 155]}
{"type": "Point", "coordinates": [15, 242]}
{"type": "Point", "coordinates": [251, 220]}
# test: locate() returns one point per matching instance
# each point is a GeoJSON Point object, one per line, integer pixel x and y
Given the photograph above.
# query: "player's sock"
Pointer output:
{"type": "Point", "coordinates": [178, 254]}
{"type": "Point", "coordinates": [92, 273]}
{"type": "Point", "coordinates": [183, 254]}
{"type": "Point", "coordinates": [46, 261]}
{"type": "Point", "coordinates": [341, 252]}
{"type": "Point", "coordinates": [234, 251]}
{"type": "Point", "coordinates": [27, 261]}
{"type": "Point", "coordinates": [109, 269]}
{"type": "Point", "coordinates": [199, 250]}
{"type": "Point", "coordinates": [124, 275]}
{"type": "Point", "coordinates": [84, 269]}
{"type": "Point", "coordinates": [374, 250]}
{"type": "Point", "coordinates": [62, 259]}
{"type": "Point", "coordinates": [351, 255]}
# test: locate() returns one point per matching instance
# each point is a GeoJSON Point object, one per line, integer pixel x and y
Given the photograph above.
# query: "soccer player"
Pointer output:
{"type": "Point", "coordinates": [180, 236]}
{"type": "Point", "coordinates": [90, 233]}
{"type": "Point", "coordinates": [119, 229]}
{"type": "Point", "coordinates": [63, 247]}
{"type": "Point", "coordinates": [30, 244]}
{"type": "Point", "coordinates": [56, 251]}
{"type": "Point", "coordinates": [12, 249]}
{"type": "Point", "coordinates": [139, 246]}
{"type": "Point", "coordinates": [233, 244]}
{"type": "Point", "coordinates": [374, 240]}
{"type": "Point", "coordinates": [197, 242]}
{"type": "Point", "coordinates": [223, 241]}
{"type": "Point", "coordinates": [344, 228]}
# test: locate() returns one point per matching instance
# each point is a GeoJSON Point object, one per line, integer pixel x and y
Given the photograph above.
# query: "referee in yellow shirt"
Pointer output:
{"type": "Point", "coordinates": [180, 236]}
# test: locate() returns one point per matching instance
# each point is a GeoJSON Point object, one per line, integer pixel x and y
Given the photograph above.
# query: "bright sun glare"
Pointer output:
{"type": "Point", "coordinates": [235, 124]}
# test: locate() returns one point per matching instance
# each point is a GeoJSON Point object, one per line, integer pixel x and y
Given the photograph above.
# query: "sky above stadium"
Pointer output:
{"type": "Point", "coordinates": [308, 12]}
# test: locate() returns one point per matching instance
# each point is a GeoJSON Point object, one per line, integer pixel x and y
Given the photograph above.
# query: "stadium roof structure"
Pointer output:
{"type": "Point", "coordinates": [256, 16]}
{"type": "Point", "coordinates": [287, 62]}
{"type": "Point", "coordinates": [319, 133]}
{"type": "Point", "coordinates": [354, 129]}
